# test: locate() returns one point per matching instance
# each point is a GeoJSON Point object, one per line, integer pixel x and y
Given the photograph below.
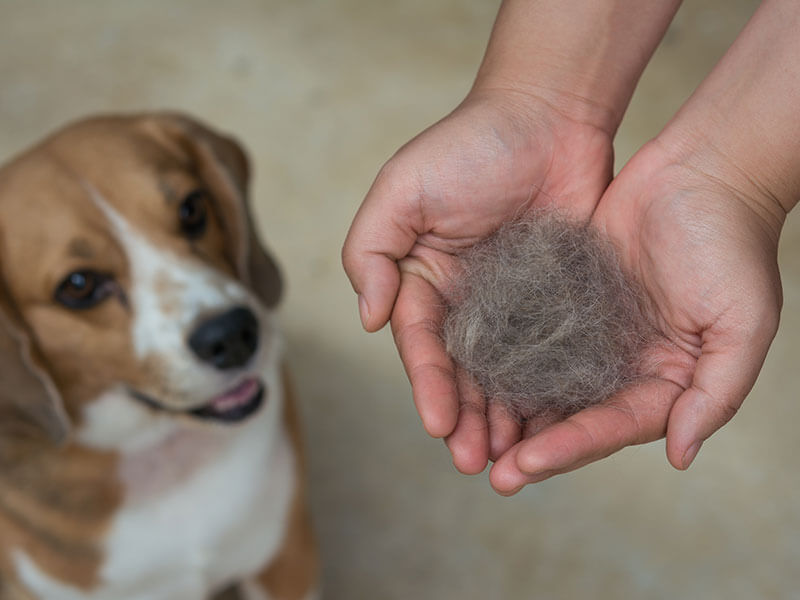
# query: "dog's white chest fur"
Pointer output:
{"type": "Point", "coordinates": [202, 510]}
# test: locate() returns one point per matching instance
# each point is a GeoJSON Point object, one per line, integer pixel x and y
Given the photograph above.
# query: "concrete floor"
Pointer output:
{"type": "Point", "coordinates": [322, 92]}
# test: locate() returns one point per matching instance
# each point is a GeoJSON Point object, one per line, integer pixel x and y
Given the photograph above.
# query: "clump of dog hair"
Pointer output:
{"type": "Point", "coordinates": [544, 319]}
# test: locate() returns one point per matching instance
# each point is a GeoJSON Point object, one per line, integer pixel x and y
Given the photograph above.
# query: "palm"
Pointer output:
{"type": "Point", "coordinates": [706, 262]}
{"type": "Point", "coordinates": [707, 265]}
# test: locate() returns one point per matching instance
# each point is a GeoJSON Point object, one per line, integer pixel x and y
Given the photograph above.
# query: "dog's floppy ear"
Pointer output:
{"type": "Point", "coordinates": [29, 400]}
{"type": "Point", "coordinates": [222, 165]}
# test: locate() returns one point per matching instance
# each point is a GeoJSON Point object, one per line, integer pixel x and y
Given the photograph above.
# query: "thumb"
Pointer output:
{"type": "Point", "coordinates": [725, 373]}
{"type": "Point", "coordinates": [383, 231]}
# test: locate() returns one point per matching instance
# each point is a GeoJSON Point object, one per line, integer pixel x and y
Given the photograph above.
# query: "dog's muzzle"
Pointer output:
{"type": "Point", "coordinates": [226, 341]}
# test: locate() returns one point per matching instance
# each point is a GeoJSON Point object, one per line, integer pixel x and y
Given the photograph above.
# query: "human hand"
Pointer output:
{"type": "Point", "coordinates": [696, 217]}
{"type": "Point", "coordinates": [498, 154]}
{"type": "Point", "coordinates": [702, 244]}
{"type": "Point", "coordinates": [536, 129]}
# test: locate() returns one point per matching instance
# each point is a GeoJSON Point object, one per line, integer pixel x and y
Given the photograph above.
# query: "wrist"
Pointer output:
{"type": "Point", "coordinates": [698, 165]}
{"type": "Point", "coordinates": [742, 120]}
{"type": "Point", "coordinates": [583, 58]}
{"type": "Point", "coordinates": [556, 98]}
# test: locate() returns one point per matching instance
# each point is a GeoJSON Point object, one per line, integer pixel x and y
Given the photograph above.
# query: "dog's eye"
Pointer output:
{"type": "Point", "coordinates": [192, 214]}
{"type": "Point", "coordinates": [84, 289]}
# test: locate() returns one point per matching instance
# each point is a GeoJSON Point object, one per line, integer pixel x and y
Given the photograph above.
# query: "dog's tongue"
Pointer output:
{"type": "Point", "coordinates": [238, 396]}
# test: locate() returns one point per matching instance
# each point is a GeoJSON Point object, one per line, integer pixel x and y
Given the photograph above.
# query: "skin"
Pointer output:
{"type": "Point", "coordinates": [697, 215]}
{"type": "Point", "coordinates": [536, 129]}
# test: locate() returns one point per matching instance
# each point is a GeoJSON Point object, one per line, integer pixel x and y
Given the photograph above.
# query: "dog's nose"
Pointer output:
{"type": "Point", "coordinates": [227, 340]}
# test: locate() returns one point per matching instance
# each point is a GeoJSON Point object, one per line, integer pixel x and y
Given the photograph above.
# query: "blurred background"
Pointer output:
{"type": "Point", "coordinates": [322, 92]}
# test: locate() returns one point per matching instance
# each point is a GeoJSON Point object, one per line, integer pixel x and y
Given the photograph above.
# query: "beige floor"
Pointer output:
{"type": "Point", "coordinates": [322, 92]}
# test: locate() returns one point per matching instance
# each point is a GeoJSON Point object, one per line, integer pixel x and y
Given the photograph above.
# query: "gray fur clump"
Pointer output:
{"type": "Point", "coordinates": [544, 319]}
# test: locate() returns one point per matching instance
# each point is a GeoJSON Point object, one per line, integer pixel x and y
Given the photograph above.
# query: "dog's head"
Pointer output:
{"type": "Point", "coordinates": [129, 266]}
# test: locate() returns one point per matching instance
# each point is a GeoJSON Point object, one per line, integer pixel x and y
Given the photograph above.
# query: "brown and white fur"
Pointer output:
{"type": "Point", "coordinates": [148, 445]}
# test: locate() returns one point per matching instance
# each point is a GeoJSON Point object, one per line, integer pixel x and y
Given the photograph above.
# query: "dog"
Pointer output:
{"type": "Point", "coordinates": [149, 448]}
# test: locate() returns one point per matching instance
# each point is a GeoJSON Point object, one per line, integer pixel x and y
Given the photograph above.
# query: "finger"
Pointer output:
{"type": "Point", "coordinates": [416, 322]}
{"type": "Point", "coordinates": [635, 416]}
{"type": "Point", "coordinates": [722, 379]}
{"type": "Point", "coordinates": [469, 442]}
{"type": "Point", "coordinates": [504, 430]}
{"type": "Point", "coordinates": [383, 231]}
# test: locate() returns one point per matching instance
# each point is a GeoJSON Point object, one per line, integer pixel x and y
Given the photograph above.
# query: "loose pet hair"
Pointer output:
{"type": "Point", "coordinates": [544, 319]}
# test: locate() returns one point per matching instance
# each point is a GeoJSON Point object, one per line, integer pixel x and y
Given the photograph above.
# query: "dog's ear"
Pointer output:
{"type": "Point", "coordinates": [222, 165]}
{"type": "Point", "coordinates": [30, 403]}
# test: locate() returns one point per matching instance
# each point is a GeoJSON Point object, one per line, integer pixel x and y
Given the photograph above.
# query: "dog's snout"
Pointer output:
{"type": "Point", "coordinates": [228, 340]}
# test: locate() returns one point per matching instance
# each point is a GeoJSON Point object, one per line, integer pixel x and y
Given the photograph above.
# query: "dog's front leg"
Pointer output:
{"type": "Point", "coordinates": [293, 573]}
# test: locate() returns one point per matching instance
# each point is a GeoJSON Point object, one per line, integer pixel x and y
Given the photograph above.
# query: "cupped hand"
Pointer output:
{"type": "Point", "coordinates": [703, 247]}
{"type": "Point", "coordinates": [498, 154]}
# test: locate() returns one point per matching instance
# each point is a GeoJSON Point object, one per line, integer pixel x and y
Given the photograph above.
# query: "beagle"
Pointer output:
{"type": "Point", "coordinates": [148, 445]}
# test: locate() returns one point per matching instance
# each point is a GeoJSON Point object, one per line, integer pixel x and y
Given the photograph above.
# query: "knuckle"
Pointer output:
{"type": "Point", "coordinates": [430, 369]}
{"type": "Point", "coordinates": [409, 334]}
{"type": "Point", "coordinates": [719, 410]}
{"type": "Point", "coordinates": [728, 408]}
{"type": "Point", "coordinates": [391, 171]}
{"type": "Point", "coordinates": [587, 437]}
{"type": "Point", "coordinates": [397, 182]}
{"type": "Point", "coordinates": [348, 257]}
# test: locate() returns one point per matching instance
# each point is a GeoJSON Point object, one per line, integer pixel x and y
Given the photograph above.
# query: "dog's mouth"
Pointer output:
{"type": "Point", "coordinates": [231, 406]}
{"type": "Point", "coordinates": [234, 405]}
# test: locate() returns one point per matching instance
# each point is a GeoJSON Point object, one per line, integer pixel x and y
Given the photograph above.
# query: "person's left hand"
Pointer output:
{"type": "Point", "coordinates": [705, 254]}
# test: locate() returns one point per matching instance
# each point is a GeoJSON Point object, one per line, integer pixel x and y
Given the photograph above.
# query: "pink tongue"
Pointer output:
{"type": "Point", "coordinates": [238, 396]}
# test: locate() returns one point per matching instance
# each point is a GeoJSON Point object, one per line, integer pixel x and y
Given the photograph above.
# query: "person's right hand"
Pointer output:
{"type": "Point", "coordinates": [498, 154]}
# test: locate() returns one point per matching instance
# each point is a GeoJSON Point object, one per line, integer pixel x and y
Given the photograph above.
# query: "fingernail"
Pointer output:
{"type": "Point", "coordinates": [690, 454]}
{"type": "Point", "coordinates": [363, 310]}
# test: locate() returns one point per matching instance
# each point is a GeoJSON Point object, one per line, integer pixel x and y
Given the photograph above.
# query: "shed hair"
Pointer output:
{"type": "Point", "coordinates": [544, 318]}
